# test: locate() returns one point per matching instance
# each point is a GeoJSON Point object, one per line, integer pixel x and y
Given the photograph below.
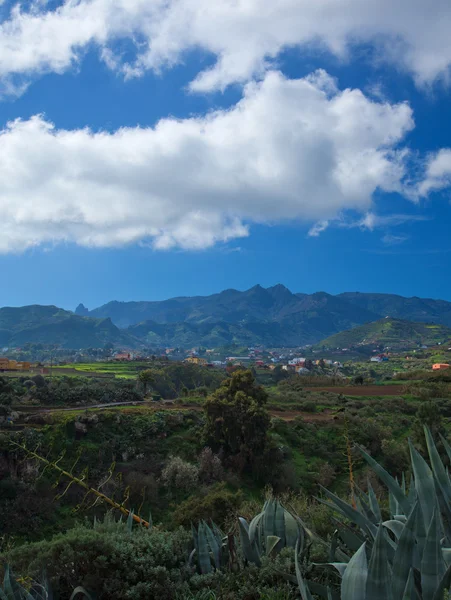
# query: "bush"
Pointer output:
{"type": "Point", "coordinates": [108, 562]}
{"type": "Point", "coordinates": [180, 475]}
{"type": "Point", "coordinates": [216, 504]}
{"type": "Point", "coordinates": [210, 466]}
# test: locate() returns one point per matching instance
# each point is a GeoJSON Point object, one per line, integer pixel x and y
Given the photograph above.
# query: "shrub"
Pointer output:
{"type": "Point", "coordinates": [109, 562]}
{"type": "Point", "coordinates": [180, 475]}
{"type": "Point", "coordinates": [210, 466]}
{"type": "Point", "coordinates": [216, 504]}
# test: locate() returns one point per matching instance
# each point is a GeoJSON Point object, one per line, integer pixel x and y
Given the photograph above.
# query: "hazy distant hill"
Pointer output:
{"type": "Point", "coordinates": [52, 325]}
{"type": "Point", "coordinates": [395, 333]}
{"type": "Point", "coordinates": [398, 307]}
{"type": "Point", "coordinates": [317, 314]}
{"type": "Point", "coordinates": [272, 317]}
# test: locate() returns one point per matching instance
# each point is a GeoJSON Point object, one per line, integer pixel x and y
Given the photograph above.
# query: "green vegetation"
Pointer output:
{"type": "Point", "coordinates": [202, 469]}
{"type": "Point", "coordinates": [394, 333]}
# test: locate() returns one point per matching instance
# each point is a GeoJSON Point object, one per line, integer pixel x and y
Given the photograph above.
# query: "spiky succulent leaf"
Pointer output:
{"type": "Point", "coordinates": [378, 583]}
{"type": "Point", "coordinates": [409, 591]}
{"type": "Point", "coordinates": [253, 527]}
{"type": "Point", "coordinates": [272, 541]}
{"type": "Point", "coordinates": [349, 512]}
{"type": "Point", "coordinates": [354, 578]}
{"type": "Point", "coordinates": [215, 545]}
{"type": "Point", "coordinates": [80, 591]}
{"type": "Point", "coordinates": [374, 503]}
{"type": "Point", "coordinates": [404, 556]}
{"type": "Point", "coordinates": [424, 483]}
{"type": "Point", "coordinates": [249, 550]}
{"type": "Point", "coordinates": [303, 587]}
{"type": "Point", "coordinates": [433, 565]}
{"type": "Point", "coordinates": [292, 529]}
{"type": "Point", "coordinates": [389, 481]}
{"type": "Point", "coordinates": [203, 552]}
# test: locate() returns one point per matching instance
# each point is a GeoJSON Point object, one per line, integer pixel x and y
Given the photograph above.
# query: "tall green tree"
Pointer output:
{"type": "Point", "coordinates": [147, 378]}
{"type": "Point", "coordinates": [236, 418]}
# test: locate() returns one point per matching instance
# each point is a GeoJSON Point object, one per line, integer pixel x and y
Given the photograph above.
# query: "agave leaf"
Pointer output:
{"type": "Point", "coordinates": [364, 507]}
{"type": "Point", "coordinates": [420, 536]}
{"type": "Point", "coordinates": [352, 539]}
{"type": "Point", "coordinates": [292, 529]}
{"type": "Point", "coordinates": [191, 557]}
{"type": "Point", "coordinates": [394, 526]}
{"type": "Point", "coordinates": [392, 504]}
{"type": "Point", "coordinates": [374, 503]}
{"type": "Point", "coordinates": [379, 572]}
{"type": "Point", "coordinates": [215, 547]}
{"type": "Point", "coordinates": [444, 584]}
{"type": "Point", "coordinates": [271, 542]}
{"type": "Point", "coordinates": [249, 550]}
{"type": "Point", "coordinates": [412, 494]}
{"type": "Point", "coordinates": [409, 590]}
{"type": "Point", "coordinates": [150, 520]}
{"type": "Point", "coordinates": [391, 483]}
{"type": "Point", "coordinates": [80, 590]}
{"type": "Point", "coordinates": [424, 482]}
{"type": "Point", "coordinates": [253, 526]}
{"type": "Point", "coordinates": [203, 553]}
{"type": "Point", "coordinates": [447, 556]}
{"type": "Point", "coordinates": [401, 518]}
{"type": "Point", "coordinates": [353, 583]}
{"type": "Point", "coordinates": [437, 465]}
{"type": "Point", "coordinates": [303, 587]}
{"type": "Point", "coordinates": [432, 565]}
{"type": "Point", "coordinates": [279, 524]}
{"type": "Point", "coordinates": [446, 446]}
{"type": "Point", "coordinates": [349, 512]}
{"type": "Point", "coordinates": [11, 588]}
{"type": "Point", "coordinates": [404, 555]}
{"type": "Point", "coordinates": [269, 515]}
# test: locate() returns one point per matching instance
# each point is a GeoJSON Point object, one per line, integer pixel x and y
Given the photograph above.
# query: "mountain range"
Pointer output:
{"type": "Point", "coordinates": [268, 316]}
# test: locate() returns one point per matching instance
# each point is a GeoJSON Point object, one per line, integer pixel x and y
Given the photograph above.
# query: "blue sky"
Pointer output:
{"type": "Point", "coordinates": [156, 149]}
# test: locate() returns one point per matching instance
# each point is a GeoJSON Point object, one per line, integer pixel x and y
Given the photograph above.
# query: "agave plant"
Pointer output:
{"type": "Point", "coordinates": [407, 556]}
{"type": "Point", "coordinates": [13, 590]}
{"type": "Point", "coordinates": [271, 530]}
{"type": "Point", "coordinates": [211, 547]}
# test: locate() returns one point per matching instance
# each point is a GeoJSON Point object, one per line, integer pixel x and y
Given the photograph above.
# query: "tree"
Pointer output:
{"type": "Point", "coordinates": [146, 377]}
{"type": "Point", "coordinates": [236, 418]}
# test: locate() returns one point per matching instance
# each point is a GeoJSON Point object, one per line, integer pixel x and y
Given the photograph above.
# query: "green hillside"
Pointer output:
{"type": "Point", "coordinates": [395, 333]}
{"type": "Point", "coordinates": [52, 325]}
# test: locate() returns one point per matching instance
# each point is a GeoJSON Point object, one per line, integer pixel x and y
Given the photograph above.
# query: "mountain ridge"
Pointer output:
{"type": "Point", "coordinates": [271, 316]}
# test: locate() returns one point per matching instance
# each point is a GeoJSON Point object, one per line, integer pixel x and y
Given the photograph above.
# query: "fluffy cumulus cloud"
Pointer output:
{"type": "Point", "coordinates": [438, 173]}
{"type": "Point", "coordinates": [244, 36]}
{"type": "Point", "coordinates": [290, 149]}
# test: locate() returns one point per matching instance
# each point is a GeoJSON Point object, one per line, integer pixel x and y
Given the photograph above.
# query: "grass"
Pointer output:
{"type": "Point", "coordinates": [121, 370]}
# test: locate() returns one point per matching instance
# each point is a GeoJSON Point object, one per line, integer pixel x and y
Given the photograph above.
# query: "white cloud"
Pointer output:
{"type": "Point", "coordinates": [438, 173]}
{"type": "Point", "coordinates": [372, 221]}
{"type": "Point", "coordinates": [394, 240]}
{"type": "Point", "coordinates": [318, 228]}
{"type": "Point", "coordinates": [243, 35]}
{"type": "Point", "coordinates": [290, 149]}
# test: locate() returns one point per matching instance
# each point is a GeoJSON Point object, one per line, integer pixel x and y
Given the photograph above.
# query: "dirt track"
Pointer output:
{"type": "Point", "coordinates": [361, 390]}
{"type": "Point", "coordinates": [287, 415]}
